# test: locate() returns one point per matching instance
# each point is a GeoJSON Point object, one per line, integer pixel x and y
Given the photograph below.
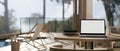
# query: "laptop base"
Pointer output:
{"type": "Point", "coordinates": [94, 36]}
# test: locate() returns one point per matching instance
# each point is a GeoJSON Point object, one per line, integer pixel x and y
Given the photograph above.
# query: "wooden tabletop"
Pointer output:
{"type": "Point", "coordinates": [63, 37]}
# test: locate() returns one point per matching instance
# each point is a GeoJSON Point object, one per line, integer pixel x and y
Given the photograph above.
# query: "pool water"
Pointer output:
{"type": "Point", "coordinates": [3, 43]}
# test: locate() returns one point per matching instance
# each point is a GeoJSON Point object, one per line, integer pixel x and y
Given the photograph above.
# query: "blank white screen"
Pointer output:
{"type": "Point", "coordinates": [92, 26]}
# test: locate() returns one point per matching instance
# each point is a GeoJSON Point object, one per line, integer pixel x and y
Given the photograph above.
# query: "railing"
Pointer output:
{"type": "Point", "coordinates": [54, 25]}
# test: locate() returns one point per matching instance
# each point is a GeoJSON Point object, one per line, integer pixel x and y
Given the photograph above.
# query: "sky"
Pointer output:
{"type": "Point", "coordinates": [24, 8]}
{"type": "Point", "coordinates": [98, 9]}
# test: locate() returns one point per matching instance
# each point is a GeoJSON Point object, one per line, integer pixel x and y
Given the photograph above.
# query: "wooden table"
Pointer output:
{"type": "Point", "coordinates": [77, 38]}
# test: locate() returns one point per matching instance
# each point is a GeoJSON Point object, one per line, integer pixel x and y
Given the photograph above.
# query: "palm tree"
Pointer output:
{"type": "Point", "coordinates": [44, 10]}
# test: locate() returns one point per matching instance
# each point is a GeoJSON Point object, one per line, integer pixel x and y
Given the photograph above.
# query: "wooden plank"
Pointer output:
{"type": "Point", "coordinates": [5, 36]}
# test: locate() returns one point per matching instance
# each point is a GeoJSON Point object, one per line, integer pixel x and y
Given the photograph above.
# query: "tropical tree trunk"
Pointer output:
{"type": "Point", "coordinates": [63, 17]}
{"type": "Point", "coordinates": [44, 10]}
{"type": "Point", "coordinates": [6, 17]}
{"type": "Point", "coordinates": [63, 9]}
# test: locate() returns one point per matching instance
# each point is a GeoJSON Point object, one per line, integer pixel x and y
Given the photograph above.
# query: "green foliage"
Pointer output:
{"type": "Point", "coordinates": [1, 25]}
{"type": "Point", "coordinates": [11, 22]}
{"type": "Point", "coordinates": [11, 17]}
{"type": "Point", "coordinates": [34, 18]}
{"type": "Point", "coordinates": [60, 25]}
{"type": "Point", "coordinates": [55, 25]}
{"type": "Point", "coordinates": [112, 8]}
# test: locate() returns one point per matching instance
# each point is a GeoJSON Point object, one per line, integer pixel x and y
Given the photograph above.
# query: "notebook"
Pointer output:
{"type": "Point", "coordinates": [71, 32]}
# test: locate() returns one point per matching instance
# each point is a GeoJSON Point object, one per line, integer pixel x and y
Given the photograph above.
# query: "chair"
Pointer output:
{"type": "Point", "coordinates": [63, 49]}
{"type": "Point", "coordinates": [33, 34]}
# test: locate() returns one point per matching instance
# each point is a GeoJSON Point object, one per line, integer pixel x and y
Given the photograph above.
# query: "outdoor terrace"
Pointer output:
{"type": "Point", "coordinates": [49, 42]}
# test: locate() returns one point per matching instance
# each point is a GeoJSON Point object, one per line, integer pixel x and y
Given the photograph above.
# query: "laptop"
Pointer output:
{"type": "Point", "coordinates": [93, 28]}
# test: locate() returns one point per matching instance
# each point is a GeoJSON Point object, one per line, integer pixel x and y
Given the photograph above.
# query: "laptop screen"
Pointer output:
{"type": "Point", "coordinates": [92, 27]}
